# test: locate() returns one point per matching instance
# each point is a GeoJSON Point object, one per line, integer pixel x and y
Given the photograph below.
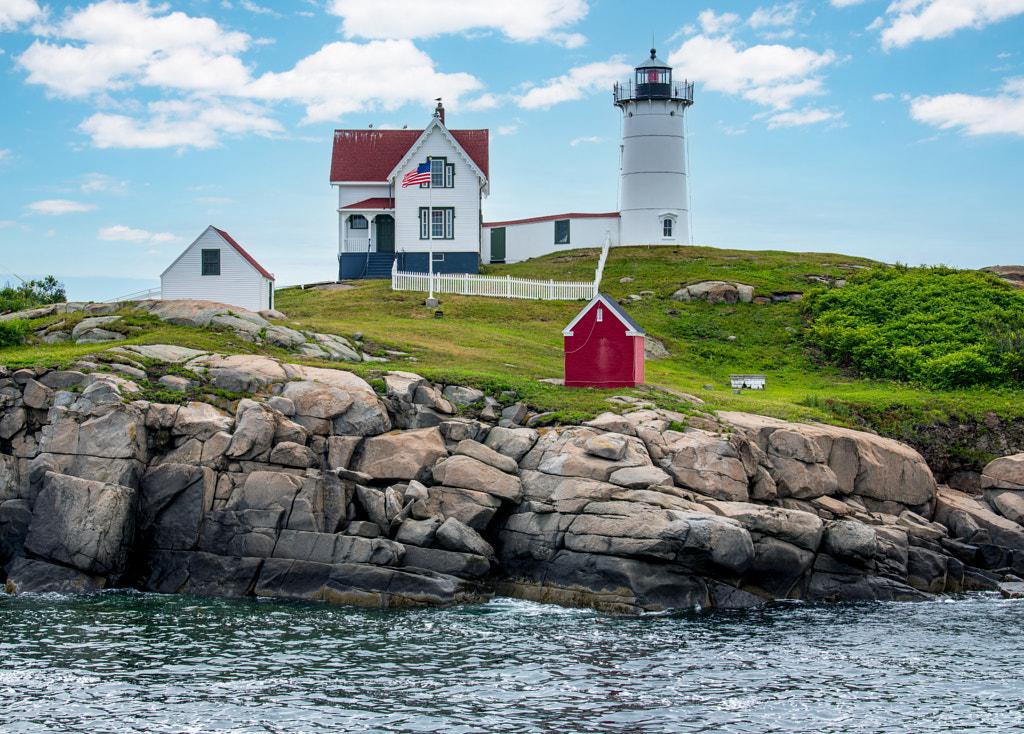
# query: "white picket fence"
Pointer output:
{"type": "Point", "coordinates": [467, 284]}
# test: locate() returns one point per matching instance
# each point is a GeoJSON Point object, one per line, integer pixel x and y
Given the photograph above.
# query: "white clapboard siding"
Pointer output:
{"type": "Point", "coordinates": [464, 197]}
{"type": "Point", "coordinates": [528, 238]}
{"type": "Point", "coordinates": [349, 194]}
{"type": "Point", "coordinates": [239, 283]}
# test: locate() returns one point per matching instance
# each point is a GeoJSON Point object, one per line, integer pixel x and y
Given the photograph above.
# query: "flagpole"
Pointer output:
{"type": "Point", "coordinates": [430, 228]}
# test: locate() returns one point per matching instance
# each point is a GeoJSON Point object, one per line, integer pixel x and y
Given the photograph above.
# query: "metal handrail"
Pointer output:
{"type": "Point", "coordinates": [678, 91]}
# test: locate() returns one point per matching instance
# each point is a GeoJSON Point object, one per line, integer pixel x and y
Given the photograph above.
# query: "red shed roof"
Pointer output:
{"type": "Point", "coordinates": [243, 253]}
{"type": "Point", "coordinates": [370, 155]}
{"type": "Point", "coordinates": [632, 327]}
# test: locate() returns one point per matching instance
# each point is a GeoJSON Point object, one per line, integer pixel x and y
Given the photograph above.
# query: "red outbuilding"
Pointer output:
{"type": "Point", "coordinates": [604, 347]}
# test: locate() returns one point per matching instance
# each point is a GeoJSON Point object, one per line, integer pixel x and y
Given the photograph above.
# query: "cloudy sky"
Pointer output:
{"type": "Point", "coordinates": [890, 130]}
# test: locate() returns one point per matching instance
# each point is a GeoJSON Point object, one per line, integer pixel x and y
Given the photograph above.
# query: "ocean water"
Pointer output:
{"type": "Point", "coordinates": [132, 662]}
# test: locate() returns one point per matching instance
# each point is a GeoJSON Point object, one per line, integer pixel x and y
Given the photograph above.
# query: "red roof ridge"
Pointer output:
{"type": "Point", "coordinates": [242, 252]}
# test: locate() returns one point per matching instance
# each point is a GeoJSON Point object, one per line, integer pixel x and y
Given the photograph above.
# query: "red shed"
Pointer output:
{"type": "Point", "coordinates": [604, 347]}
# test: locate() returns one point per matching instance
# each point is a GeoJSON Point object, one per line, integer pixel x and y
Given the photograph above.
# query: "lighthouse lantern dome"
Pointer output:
{"type": "Point", "coordinates": [653, 79]}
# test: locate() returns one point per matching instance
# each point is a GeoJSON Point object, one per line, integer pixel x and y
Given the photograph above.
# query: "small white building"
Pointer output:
{"type": "Point", "coordinates": [216, 268]}
{"type": "Point", "coordinates": [521, 239]}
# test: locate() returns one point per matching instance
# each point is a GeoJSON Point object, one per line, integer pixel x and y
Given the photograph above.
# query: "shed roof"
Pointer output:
{"type": "Point", "coordinates": [632, 327]}
{"type": "Point", "coordinates": [371, 155]}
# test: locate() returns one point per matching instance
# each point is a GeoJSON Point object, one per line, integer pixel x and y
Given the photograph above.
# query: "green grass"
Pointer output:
{"type": "Point", "coordinates": [508, 345]}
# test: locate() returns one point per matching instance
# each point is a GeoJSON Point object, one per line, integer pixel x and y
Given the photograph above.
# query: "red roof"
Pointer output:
{"type": "Point", "coordinates": [243, 253]}
{"type": "Point", "coordinates": [608, 215]}
{"type": "Point", "coordinates": [377, 202]}
{"type": "Point", "coordinates": [370, 155]}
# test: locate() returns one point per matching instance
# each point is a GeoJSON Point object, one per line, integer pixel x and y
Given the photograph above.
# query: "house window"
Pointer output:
{"type": "Point", "coordinates": [561, 231]}
{"type": "Point", "coordinates": [437, 223]}
{"type": "Point", "coordinates": [211, 262]}
{"type": "Point", "coordinates": [439, 257]}
{"type": "Point", "coordinates": [442, 174]}
{"type": "Point", "coordinates": [666, 227]}
{"type": "Point", "coordinates": [358, 221]}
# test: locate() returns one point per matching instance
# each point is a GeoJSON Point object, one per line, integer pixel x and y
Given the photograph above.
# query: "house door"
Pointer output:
{"type": "Point", "coordinates": [498, 245]}
{"type": "Point", "coordinates": [385, 233]}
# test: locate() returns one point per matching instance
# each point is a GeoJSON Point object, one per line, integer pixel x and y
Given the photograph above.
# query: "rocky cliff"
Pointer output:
{"type": "Point", "coordinates": [318, 487]}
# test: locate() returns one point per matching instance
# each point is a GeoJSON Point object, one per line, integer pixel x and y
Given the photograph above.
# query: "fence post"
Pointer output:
{"type": "Point", "coordinates": [508, 286]}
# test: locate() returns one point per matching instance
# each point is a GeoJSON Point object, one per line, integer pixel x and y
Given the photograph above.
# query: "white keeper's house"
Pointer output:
{"type": "Point", "coordinates": [409, 195]}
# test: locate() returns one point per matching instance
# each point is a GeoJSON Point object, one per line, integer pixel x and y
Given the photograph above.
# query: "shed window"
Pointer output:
{"type": "Point", "coordinates": [600, 315]}
{"type": "Point", "coordinates": [211, 262]}
{"type": "Point", "coordinates": [561, 231]}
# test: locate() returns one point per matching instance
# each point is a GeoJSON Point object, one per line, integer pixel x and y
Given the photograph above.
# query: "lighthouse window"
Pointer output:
{"type": "Point", "coordinates": [561, 231]}
{"type": "Point", "coordinates": [666, 228]}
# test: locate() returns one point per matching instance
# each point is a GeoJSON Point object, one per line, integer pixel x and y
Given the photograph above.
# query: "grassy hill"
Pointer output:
{"type": "Point", "coordinates": [500, 344]}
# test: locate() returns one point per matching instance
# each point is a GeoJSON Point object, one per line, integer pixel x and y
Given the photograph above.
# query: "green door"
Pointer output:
{"type": "Point", "coordinates": [385, 233]}
{"type": "Point", "coordinates": [498, 245]}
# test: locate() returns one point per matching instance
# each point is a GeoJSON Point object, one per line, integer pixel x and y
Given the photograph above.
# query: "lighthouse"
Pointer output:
{"type": "Point", "coordinates": [653, 206]}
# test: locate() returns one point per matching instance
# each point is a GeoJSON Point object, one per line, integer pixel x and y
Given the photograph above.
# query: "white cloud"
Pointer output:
{"type": "Point", "coordinates": [923, 20]}
{"type": "Point", "coordinates": [5, 154]}
{"type": "Point", "coordinates": [179, 124]}
{"type": "Point", "coordinates": [259, 10]}
{"type": "Point", "coordinates": [772, 75]}
{"type": "Point", "coordinates": [775, 16]}
{"type": "Point", "coordinates": [57, 207]}
{"type": "Point", "coordinates": [592, 139]}
{"type": "Point", "coordinates": [99, 182]}
{"type": "Point", "coordinates": [580, 81]}
{"type": "Point", "coordinates": [882, 97]}
{"type": "Point", "coordinates": [122, 233]}
{"type": "Point", "coordinates": [13, 12]}
{"type": "Point", "coordinates": [519, 20]}
{"type": "Point", "coordinates": [114, 45]}
{"type": "Point", "coordinates": [343, 77]}
{"type": "Point", "coordinates": [7, 223]}
{"type": "Point", "coordinates": [793, 118]}
{"type": "Point", "coordinates": [846, 3]}
{"type": "Point", "coordinates": [508, 129]}
{"type": "Point", "coordinates": [484, 102]}
{"type": "Point", "coordinates": [715, 24]}
{"type": "Point", "coordinates": [973, 115]}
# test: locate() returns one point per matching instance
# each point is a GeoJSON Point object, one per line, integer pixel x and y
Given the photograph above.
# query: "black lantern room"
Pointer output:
{"type": "Point", "coordinates": [653, 79]}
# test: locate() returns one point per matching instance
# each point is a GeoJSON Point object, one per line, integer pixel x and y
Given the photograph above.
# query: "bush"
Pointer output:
{"type": "Point", "coordinates": [31, 294]}
{"type": "Point", "coordinates": [12, 332]}
{"type": "Point", "coordinates": [938, 327]}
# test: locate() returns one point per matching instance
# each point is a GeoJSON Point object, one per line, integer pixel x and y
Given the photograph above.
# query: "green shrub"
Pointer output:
{"type": "Point", "coordinates": [12, 332]}
{"type": "Point", "coordinates": [938, 327]}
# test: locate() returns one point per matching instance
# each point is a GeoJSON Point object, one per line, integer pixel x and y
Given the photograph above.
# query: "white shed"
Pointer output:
{"type": "Point", "coordinates": [216, 268]}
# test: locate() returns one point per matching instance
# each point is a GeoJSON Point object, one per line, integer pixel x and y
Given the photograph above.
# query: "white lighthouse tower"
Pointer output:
{"type": "Point", "coordinates": [653, 203]}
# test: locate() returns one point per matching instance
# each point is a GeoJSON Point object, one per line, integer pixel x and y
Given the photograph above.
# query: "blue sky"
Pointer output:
{"type": "Point", "coordinates": [889, 130]}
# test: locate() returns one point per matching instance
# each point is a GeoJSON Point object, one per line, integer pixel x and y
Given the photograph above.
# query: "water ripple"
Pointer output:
{"type": "Point", "coordinates": [131, 662]}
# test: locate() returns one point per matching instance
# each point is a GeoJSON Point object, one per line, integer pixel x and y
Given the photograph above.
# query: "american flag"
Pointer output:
{"type": "Point", "coordinates": [420, 176]}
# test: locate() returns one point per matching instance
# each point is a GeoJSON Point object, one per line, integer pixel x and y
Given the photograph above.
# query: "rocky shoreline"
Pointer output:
{"type": "Point", "coordinates": [318, 486]}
